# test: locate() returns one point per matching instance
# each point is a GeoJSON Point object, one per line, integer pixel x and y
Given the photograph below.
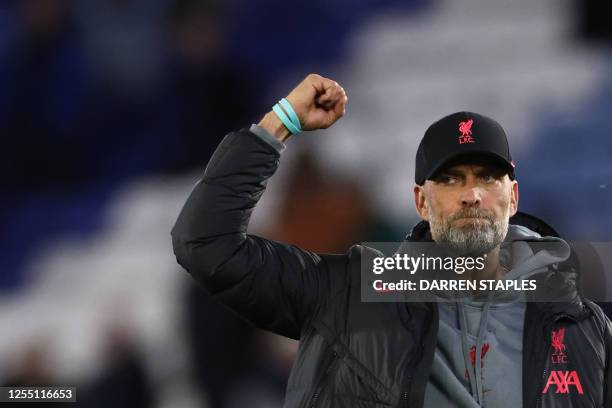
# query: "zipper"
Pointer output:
{"type": "Point", "coordinates": [416, 361]}
{"type": "Point", "coordinates": [315, 397]}
{"type": "Point", "coordinates": [544, 373]}
{"type": "Point", "coordinates": [405, 395]}
{"type": "Point", "coordinates": [405, 402]}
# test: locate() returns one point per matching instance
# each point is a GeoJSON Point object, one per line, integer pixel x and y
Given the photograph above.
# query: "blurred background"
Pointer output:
{"type": "Point", "coordinates": [110, 109]}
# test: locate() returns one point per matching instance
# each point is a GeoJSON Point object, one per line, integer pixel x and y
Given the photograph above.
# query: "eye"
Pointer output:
{"type": "Point", "coordinates": [488, 178]}
{"type": "Point", "coordinates": [446, 179]}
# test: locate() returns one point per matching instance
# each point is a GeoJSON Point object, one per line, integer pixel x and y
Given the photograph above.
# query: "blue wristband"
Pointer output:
{"type": "Point", "coordinates": [283, 118]}
{"type": "Point", "coordinates": [292, 115]}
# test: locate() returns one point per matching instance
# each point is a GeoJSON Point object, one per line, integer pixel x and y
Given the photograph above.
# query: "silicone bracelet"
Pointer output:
{"type": "Point", "coordinates": [292, 115]}
{"type": "Point", "coordinates": [283, 118]}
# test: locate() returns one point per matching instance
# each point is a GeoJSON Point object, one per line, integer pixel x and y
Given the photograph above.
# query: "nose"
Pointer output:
{"type": "Point", "coordinates": [471, 197]}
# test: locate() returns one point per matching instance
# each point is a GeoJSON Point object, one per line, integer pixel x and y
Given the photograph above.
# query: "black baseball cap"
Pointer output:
{"type": "Point", "coordinates": [462, 134]}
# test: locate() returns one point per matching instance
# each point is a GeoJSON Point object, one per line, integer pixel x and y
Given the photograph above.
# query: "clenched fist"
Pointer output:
{"type": "Point", "coordinates": [318, 102]}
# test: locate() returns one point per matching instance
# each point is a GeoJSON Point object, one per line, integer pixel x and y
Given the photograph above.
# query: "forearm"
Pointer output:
{"type": "Point", "coordinates": [272, 124]}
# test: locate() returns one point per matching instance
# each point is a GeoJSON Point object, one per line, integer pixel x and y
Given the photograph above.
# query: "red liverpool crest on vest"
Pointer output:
{"type": "Point", "coordinates": [558, 356]}
{"type": "Point", "coordinates": [466, 131]}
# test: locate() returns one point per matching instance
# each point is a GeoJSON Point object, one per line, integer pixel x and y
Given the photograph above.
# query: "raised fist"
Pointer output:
{"type": "Point", "coordinates": [317, 101]}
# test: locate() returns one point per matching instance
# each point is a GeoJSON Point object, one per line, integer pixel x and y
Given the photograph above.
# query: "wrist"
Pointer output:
{"type": "Point", "coordinates": [272, 124]}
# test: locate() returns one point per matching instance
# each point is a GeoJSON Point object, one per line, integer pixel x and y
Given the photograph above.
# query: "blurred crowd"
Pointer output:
{"type": "Point", "coordinates": [96, 92]}
{"type": "Point", "coordinates": [110, 109]}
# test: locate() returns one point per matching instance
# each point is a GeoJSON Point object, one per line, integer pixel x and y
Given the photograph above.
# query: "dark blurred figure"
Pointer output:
{"type": "Point", "coordinates": [221, 344]}
{"type": "Point", "coordinates": [594, 19]}
{"type": "Point", "coordinates": [264, 383]}
{"type": "Point", "coordinates": [124, 382]}
{"type": "Point", "coordinates": [42, 78]}
{"type": "Point", "coordinates": [209, 94]}
{"type": "Point", "coordinates": [43, 100]}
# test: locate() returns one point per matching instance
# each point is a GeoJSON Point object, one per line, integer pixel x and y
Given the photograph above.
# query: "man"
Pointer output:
{"type": "Point", "coordinates": [400, 354]}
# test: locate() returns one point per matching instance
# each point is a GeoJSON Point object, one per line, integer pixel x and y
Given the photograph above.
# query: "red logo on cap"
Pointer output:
{"type": "Point", "coordinates": [466, 131]}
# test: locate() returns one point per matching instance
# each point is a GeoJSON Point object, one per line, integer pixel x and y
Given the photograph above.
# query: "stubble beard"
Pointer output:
{"type": "Point", "coordinates": [480, 235]}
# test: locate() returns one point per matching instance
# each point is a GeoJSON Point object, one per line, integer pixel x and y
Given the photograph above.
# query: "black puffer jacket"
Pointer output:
{"type": "Point", "coordinates": [355, 354]}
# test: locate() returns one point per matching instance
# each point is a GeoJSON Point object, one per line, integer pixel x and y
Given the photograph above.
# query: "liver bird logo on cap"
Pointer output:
{"type": "Point", "coordinates": [466, 131]}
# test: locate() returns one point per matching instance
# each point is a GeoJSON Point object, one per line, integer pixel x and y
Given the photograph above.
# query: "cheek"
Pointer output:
{"type": "Point", "coordinates": [440, 207]}
{"type": "Point", "coordinates": [501, 202]}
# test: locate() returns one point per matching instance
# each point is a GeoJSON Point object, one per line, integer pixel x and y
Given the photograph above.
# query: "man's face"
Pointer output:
{"type": "Point", "coordinates": [468, 207]}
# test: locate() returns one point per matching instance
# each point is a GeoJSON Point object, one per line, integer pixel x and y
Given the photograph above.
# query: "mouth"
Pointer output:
{"type": "Point", "coordinates": [471, 220]}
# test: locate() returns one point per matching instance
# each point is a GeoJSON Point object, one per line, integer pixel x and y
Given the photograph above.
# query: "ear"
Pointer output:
{"type": "Point", "coordinates": [419, 202]}
{"type": "Point", "coordinates": [514, 198]}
